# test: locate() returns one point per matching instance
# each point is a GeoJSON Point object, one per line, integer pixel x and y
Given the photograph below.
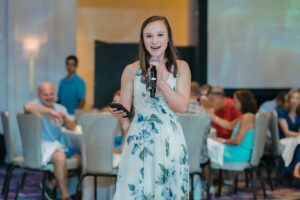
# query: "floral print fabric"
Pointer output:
{"type": "Point", "coordinates": [154, 160]}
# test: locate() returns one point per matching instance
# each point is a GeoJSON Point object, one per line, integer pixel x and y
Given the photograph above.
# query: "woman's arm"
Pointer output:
{"type": "Point", "coordinates": [178, 100]}
{"type": "Point", "coordinates": [127, 86]}
{"type": "Point", "coordinates": [222, 122]}
{"type": "Point", "coordinates": [247, 122]}
{"type": "Point", "coordinates": [126, 93]}
{"type": "Point", "coordinates": [284, 127]}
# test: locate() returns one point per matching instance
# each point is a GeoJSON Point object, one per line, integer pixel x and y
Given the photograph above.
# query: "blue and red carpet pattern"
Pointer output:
{"type": "Point", "coordinates": [32, 190]}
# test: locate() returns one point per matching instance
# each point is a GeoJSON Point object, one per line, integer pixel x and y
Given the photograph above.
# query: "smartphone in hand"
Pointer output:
{"type": "Point", "coordinates": [119, 106]}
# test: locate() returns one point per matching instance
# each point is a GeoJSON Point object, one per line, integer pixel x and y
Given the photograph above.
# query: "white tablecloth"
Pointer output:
{"type": "Point", "coordinates": [215, 151]}
{"type": "Point", "coordinates": [288, 146]}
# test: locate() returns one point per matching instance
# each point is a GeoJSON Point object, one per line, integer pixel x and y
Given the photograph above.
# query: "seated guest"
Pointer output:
{"type": "Point", "coordinates": [71, 92]}
{"type": "Point", "coordinates": [54, 116]}
{"type": "Point", "coordinates": [120, 135]}
{"type": "Point", "coordinates": [272, 105]}
{"type": "Point", "coordinates": [239, 147]}
{"type": "Point", "coordinates": [195, 108]}
{"type": "Point", "coordinates": [194, 105]}
{"type": "Point", "coordinates": [116, 99]}
{"type": "Point", "coordinates": [203, 99]}
{"type": "Point", "coordinates": [289, 124]}
{"type": "Point", "coordinates": [224, 109]}
{"type": "Point", "coordinates": [205, 90]}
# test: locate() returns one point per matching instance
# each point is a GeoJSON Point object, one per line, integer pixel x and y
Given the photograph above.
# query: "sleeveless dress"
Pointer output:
{"type": "Point", "coordinates": [241, 152]}
{"type": "Point", "coordinates": [154, 159]}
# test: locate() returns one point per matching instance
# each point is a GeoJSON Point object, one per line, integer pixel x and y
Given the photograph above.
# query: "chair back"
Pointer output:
{"type": "Point", "coordinates": [275, 134]}
{"type": "Point", "coordinates": [98, 133]}
{"type": "Point", "coordinates": [195, 129]}
{"type": "Point", "coordinates": [30, 126]}
{"type": "Point", "coordinates": [79, 112]}
{"type": "Point", "coordinates": [8, 138]}
{"type": "Point", "coordinates": [262, 121]}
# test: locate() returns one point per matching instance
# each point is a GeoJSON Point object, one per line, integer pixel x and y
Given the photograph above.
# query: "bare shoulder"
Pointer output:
{"type": "Point", "coordinates": [248, 117]}
{"type": "Point", "coordinates": [182, 64]}
{"type": "Point", "coordinates": [183, 67]}
{"type": "Point", "coordinates": [130, 70]}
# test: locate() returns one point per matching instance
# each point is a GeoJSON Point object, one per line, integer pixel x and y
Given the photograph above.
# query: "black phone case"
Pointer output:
{"type": "Point", "coordinates": [120, 107]}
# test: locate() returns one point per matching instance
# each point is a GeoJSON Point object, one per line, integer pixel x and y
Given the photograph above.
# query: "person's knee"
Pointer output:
{"type": "Point", "coordinates": [59, 157]}
{"type": "Point", "coordinates": [77, 157]}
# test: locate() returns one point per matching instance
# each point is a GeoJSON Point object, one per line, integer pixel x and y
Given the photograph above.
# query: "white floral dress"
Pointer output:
{"type": "Point", "coordinates": [154, 159]}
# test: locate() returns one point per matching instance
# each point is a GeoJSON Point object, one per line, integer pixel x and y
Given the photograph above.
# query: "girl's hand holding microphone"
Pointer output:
{"type": "Point", "coordinates": [154, 62]}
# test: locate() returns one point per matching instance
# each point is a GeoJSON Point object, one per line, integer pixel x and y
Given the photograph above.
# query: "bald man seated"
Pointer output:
{"type": "Point", "coordinates": [54, 117]}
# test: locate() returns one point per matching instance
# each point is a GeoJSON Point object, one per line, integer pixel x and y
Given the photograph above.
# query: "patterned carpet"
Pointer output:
{"type": "Point", "coordinates": [31, 189]}
{"type": "Point", "coordinates": [279, 193]}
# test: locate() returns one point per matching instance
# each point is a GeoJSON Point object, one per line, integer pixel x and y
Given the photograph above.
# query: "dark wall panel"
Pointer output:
{"type": "Point", "coordinates": [110, 61]}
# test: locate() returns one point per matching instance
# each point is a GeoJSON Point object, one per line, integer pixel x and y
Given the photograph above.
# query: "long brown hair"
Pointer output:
{"type": "Point", "coordinates": [248, 101]}
{"type": "Point", "coordinates": [170, 52]}
{"type": "Point", "coordinates": [288, 97]}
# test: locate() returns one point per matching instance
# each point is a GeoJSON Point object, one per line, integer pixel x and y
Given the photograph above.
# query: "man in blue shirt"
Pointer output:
{"type": "Point", "coordinates": [272, 105]}
{"type": "Point", "coordinates": [71, 92]}
{"type": "Point", "coordinates": [54, 116]}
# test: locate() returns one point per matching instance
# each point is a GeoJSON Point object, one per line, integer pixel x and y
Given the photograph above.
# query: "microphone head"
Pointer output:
{"type": "Point", "coordinates": [153, 59]}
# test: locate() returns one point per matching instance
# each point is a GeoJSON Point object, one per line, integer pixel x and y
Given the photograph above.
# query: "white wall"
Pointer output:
{"type": "Point", "coordinates": [254, 44]}
{"type": "Point", "coordinates": [53, 23]}
{"type": "Point", "coordinates": [3, 59]}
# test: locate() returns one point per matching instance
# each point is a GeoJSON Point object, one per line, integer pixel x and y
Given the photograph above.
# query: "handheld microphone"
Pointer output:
{"type": "Point", "coordinates": [151, 83]}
